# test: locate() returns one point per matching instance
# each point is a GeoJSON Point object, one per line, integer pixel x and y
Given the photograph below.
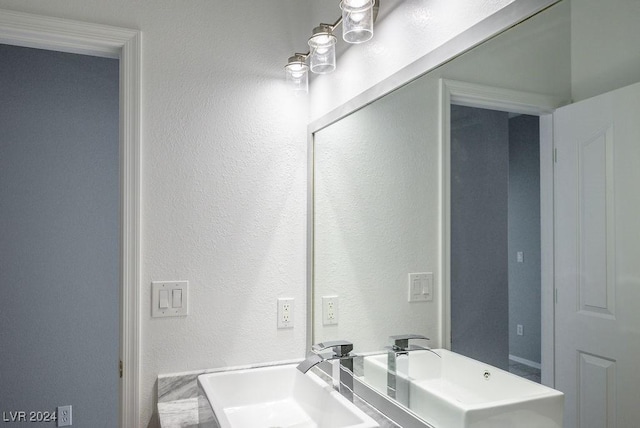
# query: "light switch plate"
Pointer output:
{"type": "Point", "coordinates": [421, 287]}
{"type": "Point", "coordinates": [177, 293]}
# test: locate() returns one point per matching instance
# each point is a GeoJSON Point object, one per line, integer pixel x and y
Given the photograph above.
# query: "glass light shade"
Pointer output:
{"type": "Point", "coordinates": [322, 50]}
{"type": "Point", "coordinates": [297, 72]}
{"type": "Point", "coordinates": [357, 20]}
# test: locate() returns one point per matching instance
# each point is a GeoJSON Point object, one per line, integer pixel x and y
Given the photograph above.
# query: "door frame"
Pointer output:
{"type": "Point", "coordinates": [474, 95]}
{"type": "Point", "coordinates": [42, 32]}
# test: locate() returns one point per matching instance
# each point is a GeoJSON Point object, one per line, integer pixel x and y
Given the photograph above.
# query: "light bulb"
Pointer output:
{"type": "Point", "coordinates": [356, 4]}
{"type": "Point", "coordinates": [357, 16]}
{"type": "Point", "coordinates": [297, 70]}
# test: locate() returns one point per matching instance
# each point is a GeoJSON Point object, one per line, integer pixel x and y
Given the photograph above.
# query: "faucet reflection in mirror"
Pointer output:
{"type": "Point", "coordinates": [357, 21]}
{"type": "Point", "coordinates": [398, 365]}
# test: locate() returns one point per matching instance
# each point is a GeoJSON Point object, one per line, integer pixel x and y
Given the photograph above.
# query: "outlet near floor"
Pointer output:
{"type": "Point", "coordinates": [65, 416]}
{"type": "Point", "coordinates": [285, 312]}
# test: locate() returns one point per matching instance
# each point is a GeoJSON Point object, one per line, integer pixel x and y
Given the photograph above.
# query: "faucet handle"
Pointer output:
{"type": "Point", "coordinates": [401, 342]}
{"type": "Point", "coordinates": [341, 348]}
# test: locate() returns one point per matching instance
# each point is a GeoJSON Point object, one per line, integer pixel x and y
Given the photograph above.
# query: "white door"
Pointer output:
{"type": "Point", "coordinates": [597, 259]}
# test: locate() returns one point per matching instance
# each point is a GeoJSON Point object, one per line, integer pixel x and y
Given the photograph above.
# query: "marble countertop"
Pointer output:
{"type": "Point", "coordinates": [179, 413]}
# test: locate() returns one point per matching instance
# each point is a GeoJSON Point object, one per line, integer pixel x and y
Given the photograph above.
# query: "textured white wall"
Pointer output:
{"type": "Point", "coordinates": [376, 220]}
{"type": "Point", "coordinates": [405, 31]}
{"type": "Point", "coordinates": [605, 52]}
{"type": "Point", "coordinates": [223, 175]}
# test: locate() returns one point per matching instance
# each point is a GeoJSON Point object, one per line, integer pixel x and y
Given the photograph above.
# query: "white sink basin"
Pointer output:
{"type": "Point", "coordinates": [455, 391]}
{"type": "Point", "coordinates": [278, 397]}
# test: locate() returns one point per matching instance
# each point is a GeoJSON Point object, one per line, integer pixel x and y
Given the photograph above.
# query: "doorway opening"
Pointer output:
{"type": "Point", "coordinates": [516, 104]}
{"type": "Point", "coordinates": [495, 238]}
{"type": "Point", "coordinates": [43, 32]}
{"type": "Point", "coordinates": [60, 193]}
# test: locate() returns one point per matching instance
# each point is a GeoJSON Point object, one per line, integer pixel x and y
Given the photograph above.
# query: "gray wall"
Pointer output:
{"type": "Point", "coordinates": [59, 234]}
{"type": "Point", "coordinates": [524, 235]}
{"type": "Point", "coordinates": [479, 271]}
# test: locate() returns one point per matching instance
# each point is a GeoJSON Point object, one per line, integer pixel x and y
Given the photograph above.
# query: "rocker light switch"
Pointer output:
{"type": "Point", "coordinates": [169, 298]}
{"type": "Point", "coordinates": [164, 299]}
{"type": "Point", "coordinates": [177, 298]}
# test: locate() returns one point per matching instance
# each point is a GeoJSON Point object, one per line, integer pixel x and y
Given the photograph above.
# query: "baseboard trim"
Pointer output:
{"type": "Point", "coordinates": [525, 362]}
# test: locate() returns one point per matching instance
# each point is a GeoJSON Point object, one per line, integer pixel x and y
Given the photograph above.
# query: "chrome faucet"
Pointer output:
{"type": "Point", "coordinates": [341, 351]}
{"type": "Point", "coordinates": [398, 366]}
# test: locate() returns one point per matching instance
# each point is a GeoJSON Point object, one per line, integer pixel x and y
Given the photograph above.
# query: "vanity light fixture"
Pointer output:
{"type": "Point", "coordinates": [357, 21]}
{"type": "Point", "coordinates": [297, 72]}
{"type": "Point", "coordinates": [322, 49]}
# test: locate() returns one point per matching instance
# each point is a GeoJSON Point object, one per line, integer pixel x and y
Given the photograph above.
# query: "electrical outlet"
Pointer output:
{"type": "Point", "coordinates": [519, 330]}
{"type": "Point", "coordinates": [329, 310]}
{"type": "Point", "coordinates": [285, 312]}
{"type": "Point", "coordinates": [65, 416]}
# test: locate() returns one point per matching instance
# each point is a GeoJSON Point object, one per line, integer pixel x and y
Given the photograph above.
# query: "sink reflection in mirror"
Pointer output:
{"type": "Point", "coordinates": [450, 390]}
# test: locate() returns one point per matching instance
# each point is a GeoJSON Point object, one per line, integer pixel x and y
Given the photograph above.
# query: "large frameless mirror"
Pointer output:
{"type": "Point", "coordinates": [412, 235]}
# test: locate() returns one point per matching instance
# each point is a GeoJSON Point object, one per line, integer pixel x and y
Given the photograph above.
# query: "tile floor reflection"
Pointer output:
{"type": "Point", "coordinates": [524, 371]}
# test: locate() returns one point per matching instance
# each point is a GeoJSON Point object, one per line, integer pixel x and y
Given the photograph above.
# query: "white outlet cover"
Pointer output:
{"type": "Point", "coordinates": [178, 303]}
{"type": "Point", "coordinates": [65, 416]}
{"type": "Point", "coordinates": [285, 312]}
{"type": "Point", "coordinates": [330, 310]}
